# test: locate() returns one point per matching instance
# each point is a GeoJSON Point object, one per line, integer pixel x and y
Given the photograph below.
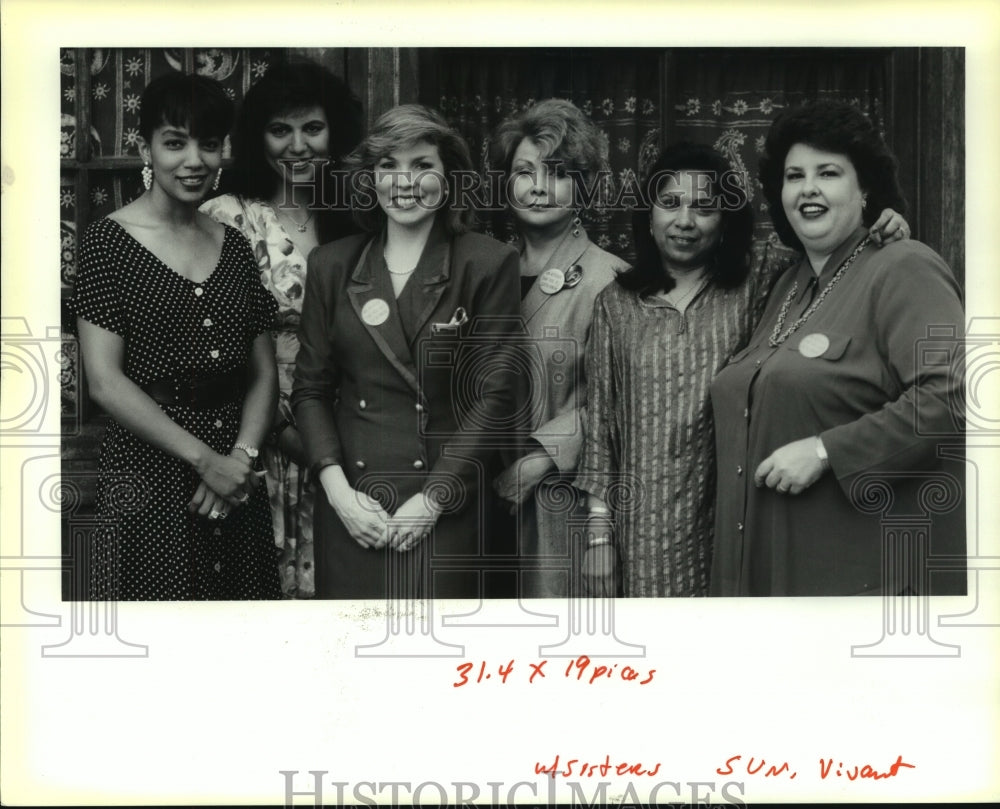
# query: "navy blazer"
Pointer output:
{"type": "Point", "coordinates": [401, 413]}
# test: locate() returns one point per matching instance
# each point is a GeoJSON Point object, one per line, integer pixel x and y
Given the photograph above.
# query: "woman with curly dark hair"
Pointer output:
{"type": "Point", "coordinates": [830, 388]}
{"type": "Point", "coordinates": [295, 126]}
{"type": "Point", "coordinates": [660, 335]}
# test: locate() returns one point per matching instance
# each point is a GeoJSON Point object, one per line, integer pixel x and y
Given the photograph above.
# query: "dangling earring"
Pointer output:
{"type": "Point", "coordinates": [576, 224]}
{"type": "Point", "coordinates": [218, 176]}
{"type": "Point", "coordinates": [864, 201]}
{"type": "Point", "coordinates": [147, 177]}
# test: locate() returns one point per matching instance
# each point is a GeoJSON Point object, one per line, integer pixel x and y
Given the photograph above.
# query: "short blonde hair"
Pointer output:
{"type": "Point", "coordinates": [400, 128]}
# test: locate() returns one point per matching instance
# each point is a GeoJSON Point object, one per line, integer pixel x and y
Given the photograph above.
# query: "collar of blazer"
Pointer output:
{"type": "Point", "coordinates": [568, 253]}
{"type": "Point", "coordinates": [432, 268]}
{"type": "Point", "coordinates": [372, 298]}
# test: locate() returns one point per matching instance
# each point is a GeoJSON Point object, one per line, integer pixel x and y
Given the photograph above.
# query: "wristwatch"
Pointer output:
{"type": "Point", "coordinates": [824, 459]}
{"type": "Point", "coordinates": [252, 452]}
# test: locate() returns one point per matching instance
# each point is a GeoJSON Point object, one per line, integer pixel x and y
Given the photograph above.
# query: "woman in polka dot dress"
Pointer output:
{"type": "Point", "coordinates": [174, 332]}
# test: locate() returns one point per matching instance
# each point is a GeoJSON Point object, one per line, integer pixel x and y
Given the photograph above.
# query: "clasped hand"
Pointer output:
{"type": "Point", "coordinates": [226, 480]}
{"type": "Point", "coordinates": [371, 526]}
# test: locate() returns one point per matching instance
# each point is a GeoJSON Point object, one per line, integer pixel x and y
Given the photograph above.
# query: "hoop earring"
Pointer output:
{"type": "Point", "coordinates": [218, 176]}
{"type": "Point", "coordinates": [147, 177]}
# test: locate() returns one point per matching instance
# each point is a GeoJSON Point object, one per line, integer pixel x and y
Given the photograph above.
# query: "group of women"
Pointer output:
{"type": "Point", "coordinates": [696, 427]}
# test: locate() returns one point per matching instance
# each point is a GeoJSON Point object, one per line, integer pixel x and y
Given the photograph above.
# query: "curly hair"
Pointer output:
{"type": "Point", "coordinates": [289, 87]}
{"type": "Point", "coordinates": [400, 128]}
{"type": "Point", "coordinates": [729, 264]}
{"type": "Point", "coordinates": [182, 99]}
{"type": "Point", "coordinates": [562, 132]}
{"type": "Point", "coordinates": [840, 128]}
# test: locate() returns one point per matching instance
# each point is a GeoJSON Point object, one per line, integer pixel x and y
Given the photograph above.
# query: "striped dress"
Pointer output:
{"type": "Point", "coordinates": [649, 442]}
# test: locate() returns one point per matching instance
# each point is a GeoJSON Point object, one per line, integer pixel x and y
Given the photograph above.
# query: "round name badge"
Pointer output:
{"type": "Point", "coordinates": [814, 345]}
{"type": "Point", "coordinates": [551, 281]}
{"type": "Point", "coordinates": [375, 312]}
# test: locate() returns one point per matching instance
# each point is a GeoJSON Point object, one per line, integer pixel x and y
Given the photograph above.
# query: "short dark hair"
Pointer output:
{"type": "Point", "coordinates": [841, 128]}
{"type": "Point", "coordinates": [197, 103]}
{"type": "Point", "coordinates": [400, 128]}
{"type": "Point", "coordinates": [289, 87]}
{"type": "Point", "coordinates": [562, 132]}
{"type": "Point", "coordinates": [729, 265]}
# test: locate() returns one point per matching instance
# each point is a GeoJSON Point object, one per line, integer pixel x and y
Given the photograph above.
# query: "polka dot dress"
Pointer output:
{"type": "Point", "coordinates": [151, 547]}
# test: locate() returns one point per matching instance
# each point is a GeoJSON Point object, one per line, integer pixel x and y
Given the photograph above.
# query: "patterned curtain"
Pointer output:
{"type": "Point", "coordinates": [475, 89]}
{"type": "Point", "coordinates": [728, 98]}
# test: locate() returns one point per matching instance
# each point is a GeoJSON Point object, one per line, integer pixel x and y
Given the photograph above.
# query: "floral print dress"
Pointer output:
{"type": "Point", "coordinates": [283, 273]}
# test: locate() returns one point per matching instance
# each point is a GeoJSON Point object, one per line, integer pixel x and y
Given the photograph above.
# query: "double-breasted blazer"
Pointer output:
{"type": "Point", "coordinates": [406, 395]}
{"type": "Point", "coordinates": [558, 325]}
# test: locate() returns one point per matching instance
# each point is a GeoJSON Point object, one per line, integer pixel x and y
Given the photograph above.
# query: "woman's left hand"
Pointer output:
{"type": "Point", "coordinates": [889, 227]}
{"type": "Point", "coordinates": [516, 483]}
{"type": "Point", "coordinates": [790, 469]}
{"type": "Point", "coordinates": [208, 503]}
{"type": "Point", "coordinates": [412, 523]}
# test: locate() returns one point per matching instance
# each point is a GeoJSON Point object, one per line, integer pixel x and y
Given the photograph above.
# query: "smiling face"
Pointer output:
{"type": "Point", "coordinates": [184, 167]}
{"type": "Point", "coordinates": [541, 193]}
{"type": "Point", "coordinates": [293, 139]}
{"type": "Point", "coordinates": [821, 197]}
{"type": "Point", "coordinates": [410, 184]}
{"type": "Point", "coordinates": [685, 221]}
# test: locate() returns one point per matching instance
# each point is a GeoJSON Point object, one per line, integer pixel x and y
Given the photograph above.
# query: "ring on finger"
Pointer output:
{"type": "Point", "coordinates": [214, 514]}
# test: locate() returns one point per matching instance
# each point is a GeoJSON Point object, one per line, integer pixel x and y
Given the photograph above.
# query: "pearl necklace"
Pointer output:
{"type": "Point", "coordinates": [396, 272]}
{"type": "Point", "coordinates": [777, 338]}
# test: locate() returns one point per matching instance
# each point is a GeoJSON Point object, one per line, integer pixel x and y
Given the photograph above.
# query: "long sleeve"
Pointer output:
{"type": "Point", "coordinates": [598, 465]}
{"type": "Point", "coordinates": [565, 386]}
{"type": "Point", "coordinates": [495, 305]}
{"type": "Point", "coordinates": [562, 437]}
{"type": "Point", "coordinates": [915, 293]}
{"type": "Point", "coordinates": [317, 374]}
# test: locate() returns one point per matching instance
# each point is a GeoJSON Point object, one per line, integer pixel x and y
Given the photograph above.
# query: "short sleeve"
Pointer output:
{"type": "Point", "coordinates": [228, 210]}
{"type": "Point", "coordinates": [262, 307]}
{"type": "Point", "coordinates": [97, 296]}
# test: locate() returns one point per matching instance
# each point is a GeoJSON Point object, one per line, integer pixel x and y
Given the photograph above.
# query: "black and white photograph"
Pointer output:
{"type": "Point", "coordinates": [557, 388]}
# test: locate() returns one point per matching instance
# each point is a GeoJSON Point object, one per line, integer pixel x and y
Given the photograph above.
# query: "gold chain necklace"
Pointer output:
{"type": "Point", "coordinates": [676, 302]}
{"type": "Point", "coordinates": [300, 228]}
{"type": "Point", "coordinates": [777, 338]}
